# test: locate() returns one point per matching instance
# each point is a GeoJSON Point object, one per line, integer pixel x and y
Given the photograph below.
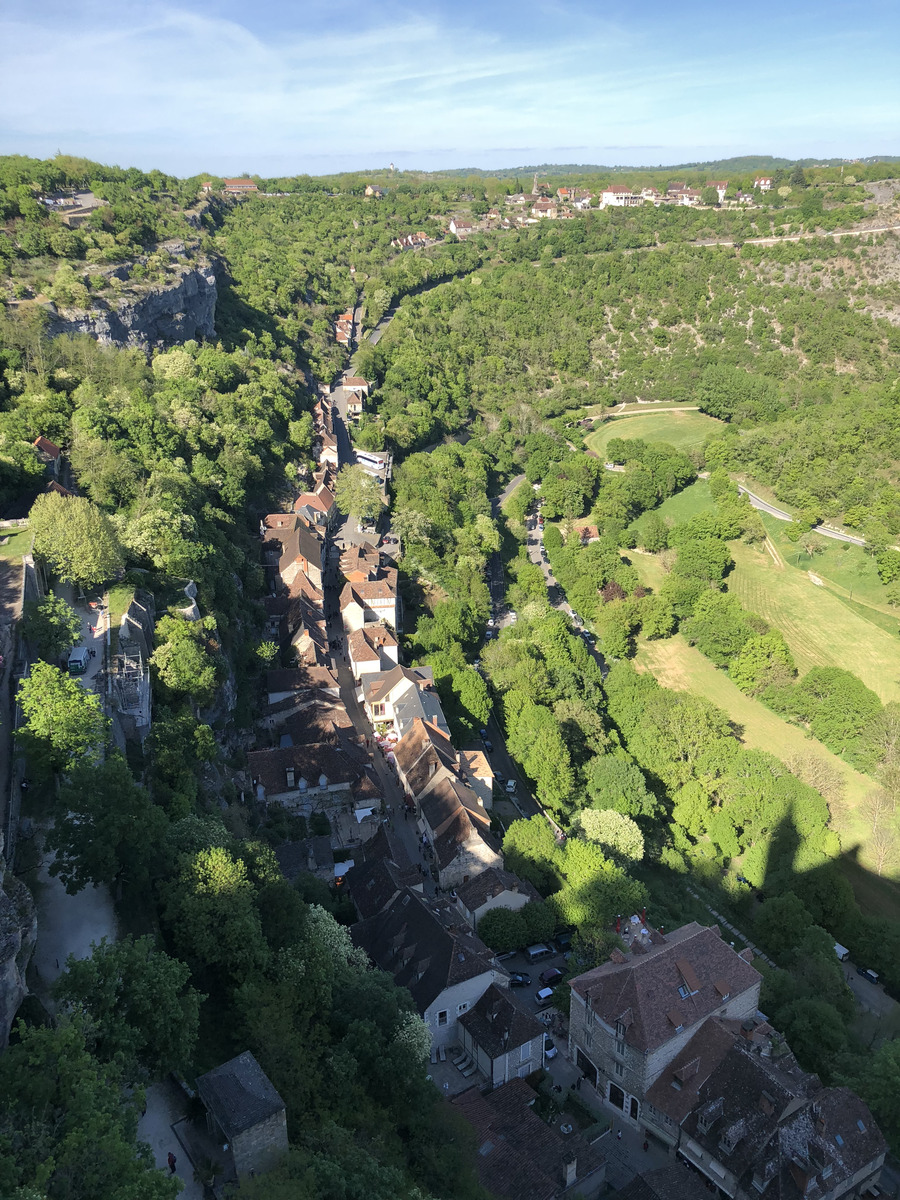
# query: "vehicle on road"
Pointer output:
{"type": "Point", "coordinates": [538, 951]}
{"type": "Point", "coordinates": [517, 979]}
{"type": "Point", "coordinates": [550, 1050]}
{"type": "Point", "coordinates": [78, 660]}
{"type": "Point", "coordinates": [482, 733]}
{"type": "Point", "coordinates": [563, 941]}
{"type": "Point", "coordinates": [488, 745]}
{"type": "Point", "coordinates": [544, 997]}
{"type": "Point", "coordinates": [868, 973]}
{"type": "Point", "coordinates": [551, 976]}
{"type": "Point", "coordinates": [511, 786]}
{"type": "Point", "coordinates": [841, 951]}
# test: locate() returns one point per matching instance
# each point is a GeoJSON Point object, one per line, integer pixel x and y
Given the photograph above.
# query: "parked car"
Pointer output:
{"type": "Point", "coordinates": [551, 976]}
{"type": "Point", "coordinates": [488, 745]}
{"type": "Point", "coordinates": [506, 954]}
{"type": "Point", "coordinates": [482, 733]}
{"type": "Point", "coordinates": [517, 979]}
{"type": "Point", "coordinates": [868, 973]}
{"type": "Point", "coordinates": [563, 941]}
{"type": "Point", "coordinates": [550, 1051]}
{"type": "Point", "coordinates": [511, 786]}
{"type": "Point", "coordinates": [544, 997]}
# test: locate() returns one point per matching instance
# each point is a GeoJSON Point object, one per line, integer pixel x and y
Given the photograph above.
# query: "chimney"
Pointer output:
{"type": "Point", "coordinates": [570, 1172]}
{"type": "Point", "coordinates": [290, 776]}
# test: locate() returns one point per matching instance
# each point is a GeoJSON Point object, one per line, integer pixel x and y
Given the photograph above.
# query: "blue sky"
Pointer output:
{"type": "Point", "coordinates": [323, 86]}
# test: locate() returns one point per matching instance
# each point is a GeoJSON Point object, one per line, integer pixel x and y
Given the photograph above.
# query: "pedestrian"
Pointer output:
{"type": "Point", "coordinates": [172, 1160]}
{"type": "Point", "coordinates": [93, 653]}
{"type": "Point", "coordinates": [619, 1136]}
{"type": "Point", "coordinates": [646, 1144]}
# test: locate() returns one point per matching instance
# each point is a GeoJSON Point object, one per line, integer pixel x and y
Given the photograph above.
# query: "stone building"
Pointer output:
{"type": "Point", "coordinates": [245, 1115]}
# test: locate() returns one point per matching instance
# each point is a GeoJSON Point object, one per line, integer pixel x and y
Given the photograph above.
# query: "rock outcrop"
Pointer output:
{"type": "Point", "coordinates": [151, 319]}
{"type": "Point", "coordinates": [18, 933]}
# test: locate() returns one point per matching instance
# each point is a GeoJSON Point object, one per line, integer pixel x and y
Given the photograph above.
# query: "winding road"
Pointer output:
{"type": "Point", "coordinates": [781, 515]}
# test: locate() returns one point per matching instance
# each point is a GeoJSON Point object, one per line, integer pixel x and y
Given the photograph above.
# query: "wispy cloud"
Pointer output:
{"type": "Point", "coordinates": [182, 88]}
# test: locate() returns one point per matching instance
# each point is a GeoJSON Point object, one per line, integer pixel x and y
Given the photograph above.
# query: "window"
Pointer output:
{"type": "Point", "coordinates": [525, 1052]}
{"type": "Point", "coordinates": [620, 1069]}
{"type": "Point", "coordinates": [684, 991]}
{"type": "Point", "coordinates": [377, 710]}
{"type": "Point", "coordinates": [620, 1049]}
{"type": "Point", "coordinates": [442, 1017]}
{"type": "Point", "coordinates": [588, 1036]}
{"type": "Point", "coordinates": [461, 1008]}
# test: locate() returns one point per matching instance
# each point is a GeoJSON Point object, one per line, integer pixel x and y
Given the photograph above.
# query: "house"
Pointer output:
{"type": "Point", "coordinates": [673, 1182]}
{"type": "Point", "coordinates": [631, 1016]}
{"type": "Point", "coordinates": [721, 186]}
{"type": "Point", "coordinates": [459, 830]}
{"type": "Point", "coordinates": [359, 563]}
{"type": "Point", "coordinates": [442, 964]}
{"type": "Point", "coordinates": [503, 1040]}
{"type": "Point", "coordinates": [401, 695]}
{"type": "Point", "coordinates": [689, 197]}
{"type": "Point", "coordinates": [521, 1157]}
{"type": "Point", "coordinates": [618, 196]}
{"type": "Point", "coordinates": [544, 208]}
{"type": "Point", "coordinates": [370, 602]}
{"type": "Point", "coordinates": [239, 187]}
{"type": "Point", "coordinates": [310, 856]}
{"type": "Point", "coordinates": [49, 454]}
{"type": "Point", "coordinates": [423, 757]}
{"type": "Point", "coordinates": [290, 547]}
{"type": "Point", "coordinates": [461, 228]}
{"type": "Point", "coordinates": [754, 1123]}
{"type": "Point", "coordinates": [245, 1115]}
{"type": "Point", "coordinates": [377, 880]}
{"type": "Point", "coordinates": [318, 508]}
{"type": "Point", "coordinates": [206, 186]}
{"type": "Point", "coordinates": [493, 888]}
{"type": "Point", "coordinates": [305, 778]}
{"type": "Point", "coordinates": [354, 383]}
{"type": "Point", "coordinates": [475, 770]}
{"type": "Point", "coordinates": [372, 649]}
{"type": "Point", "coordinates": [373, 190]}
{"type": "Point", "coordinates": [301, 684]}
{"type": "Point", "coordinates": [763, 182]}
{"type": "Point", "coordinates": [650, 193]}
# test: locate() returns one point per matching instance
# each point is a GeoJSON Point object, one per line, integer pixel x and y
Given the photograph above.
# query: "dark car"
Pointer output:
{"type": "Point", "coordinates": [563, 942]}
{"type": "Point", "coordinates": [488, 745]}
{"type": "Point", "coordinates": [551, 977]}
{"type": "Point", "coordinates": [868, 973]}
{"type": "Point", "coordinates": [517, 979]}
{"type": "Point", "coordinates": [483, 732]}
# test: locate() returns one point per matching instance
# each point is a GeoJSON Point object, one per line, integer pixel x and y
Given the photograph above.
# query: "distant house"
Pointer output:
{"type": "Point", "coordinates": [306, 777]}
{"type": "Point", "coordinates": [689, 197]}
{"type": "Point", "coordinates": [290, 546]}
{"type": "Point", "coordinates": [504, 1041]}
{"type": "Point", "coordinates": [373, 189]}
{"type": "Point", "coordinates": [721, 186]}
{"type": "Point", "coordinates": [318, 508]}
{"type": "Point", "coordinates": [245, 1115]}
{"type": "Point", "coordinates": [49, 454]}
{"type": "Point", "coordinates": [618, 196]}
{"type": "Point", "coordinates": [355, 383]}
{"type": "Point", "coordinates": [206, 186]}
{"type": "Point", "coordinates": [493, 888]}
{"type": "Point", "coordinates": [763, 182]}
{"type": "Point", "coordinates": [239, 187]}
{"type": "Point", "coordinates": [359, 563]}
{"type": "Point", "coordinates": [461, 228]}
{"type": "Point", "coordinates": [650, 193]}
{"type": "Point", "coordinates": [521, 1157]}
{"type": "Point", "coordinates": [544, 208]}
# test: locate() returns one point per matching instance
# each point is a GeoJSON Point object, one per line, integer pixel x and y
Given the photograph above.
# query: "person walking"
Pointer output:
{"type": "Point", "coordinates": [172, 1160]}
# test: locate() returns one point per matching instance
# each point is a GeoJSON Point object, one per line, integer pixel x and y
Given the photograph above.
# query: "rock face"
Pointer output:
{"type": "Point", "coordinates": [18, 933]}
{"type": "Point", "coordinates": [157, 318]}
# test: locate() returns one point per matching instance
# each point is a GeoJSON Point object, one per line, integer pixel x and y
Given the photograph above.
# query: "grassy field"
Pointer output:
{"type": "Point", "coordinates": [682, 667]}
{"type": "Point", "coordinates": [686, 430]}
{"type": "Point", "coordinates": [17, 544]}
{"type": "Point", "coordinates": [687, 503]}
{"type": "Point", "coordinates": [821, 628]}
{"type": "Point", "coordinates": [853, 573]}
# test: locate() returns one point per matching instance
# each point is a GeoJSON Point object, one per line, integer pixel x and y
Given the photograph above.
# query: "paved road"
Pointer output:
{"type": "Point", "coordinates": [781, 515]}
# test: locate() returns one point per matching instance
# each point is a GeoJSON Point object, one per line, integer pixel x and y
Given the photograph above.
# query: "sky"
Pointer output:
{"type": "Point", "coordinates": [321, 86]}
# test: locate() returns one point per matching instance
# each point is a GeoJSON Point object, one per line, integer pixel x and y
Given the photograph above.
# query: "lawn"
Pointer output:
{"type": "Point", "coordinates": [687, 503]}
{"type": "Point", "coordinates": [682, 667]}
{"type": "Point", "coordinates": [684, 429]}
{"type": "Point", "coordinates": [16, 545]}
{"type": "Point", "coordinates": [821, 627]}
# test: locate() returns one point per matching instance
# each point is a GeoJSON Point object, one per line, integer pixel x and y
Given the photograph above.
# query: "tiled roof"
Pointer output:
{"type": "Point", "coordinates": [380, 684]}
{"type": "Point", "coordinates": [308, 762]}
{"type": "Point", "coordinates": [648, 983]}
{"type": "Point", "coordinates": [677, 1090]}
{"type": "Point", "coordinates": [423, 749]}
{"type": "Point", "coordinates": [424, 946]}
{"type": "Point", "coordinates": [498, 1025]}
{"type": "Point", "coordinates": [367, 590]}
{"type": "Point", "coordinates": [491, 883]}
{"type": "Point", "coordinates": [239, 1095]}
{"type": "Point", "coordinates": [375, 882]}
{"type": "Point", "coordinates": [363, 644]}
{"type": "Point", "coordinates": [673, 1182]}
{"type": "Point", "coordinates": [46, 447]}
{"type": "Point", "coordinates": [475, 764]}
{"type": "Point", "coordinates": [300, 679]}
{"type": "Point", "coordinates": [519, 1155]}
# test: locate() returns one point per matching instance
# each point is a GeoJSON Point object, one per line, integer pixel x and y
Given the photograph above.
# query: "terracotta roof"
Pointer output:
{"type": "Point", "coordinates": [648, 984]}
{"type": "Point", "coordinates": [519, 1155]}
{"type": "Point", "coordinates": [676, 1091]}
{"type": "Point", "coordinates": [489, 884]}
{"type": "Point", "coordinates": [363, 644]}
{"type": "Point", "coordinates": [45, 446]}
{"type": "Point", "coordinates": [53, 486]}
{"type": "Point", "coordinates": [380, 684]}
{"type": "Point", "coordinates": [424, 946]}
{"type": "Point", "coordinates": [475, 764]}
{"type": "Point", "coordinates": [367, 589]}
{"type": "Point", "coordinates": [317, 722]}
{"type": "Point", "coordinates": [498, 1025]}
{"type": "Point", "coordinates": [421, 751]}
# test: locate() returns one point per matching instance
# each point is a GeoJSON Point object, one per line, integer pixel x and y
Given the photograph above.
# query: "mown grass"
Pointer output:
{"type": "Point", "coordinates": [687, 503]}
{"type": "Point", "coordinates": [18, 545]}
{"type": "Point", "coordinates": [684, 429]}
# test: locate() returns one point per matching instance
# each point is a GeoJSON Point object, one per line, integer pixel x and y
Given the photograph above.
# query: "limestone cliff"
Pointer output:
{"type": "Point", "coordinates": [151, 318]}
{"type": "Point", "coordinates": [18, 933]}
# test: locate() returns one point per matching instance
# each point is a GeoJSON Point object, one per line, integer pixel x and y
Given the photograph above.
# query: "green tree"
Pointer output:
{"type": "Point", "coordinates": [51, 625]}
{"type": "Point", "coordinates": [142, 1009]}
{"type": "Point", "coordinates": [359, 494]}
{"type": "Point", "coordinates": [877, 1081]}
{"type": "Point", "coordinates": [614, 782]}
{"type": "Point", "coordinates": [181, 659]}
{"type": "Point", "coordinates": [68, 1128]}
{"type": "Point", "coordinates": [616, 834]}
{"type": "Point", "coordinates": [63, 720]}
{"type": "Point", "coordinates": [107, 828]}
{"type": "Point", "coordinates": [503, 929]}
{"type": "Point", "coordinates": [75, 538]}
{"type": "Point", "coordinates": [781, 923]}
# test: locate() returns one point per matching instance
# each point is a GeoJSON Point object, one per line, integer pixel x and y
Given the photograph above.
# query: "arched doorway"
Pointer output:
{"type": "Point", "coordinates": [617, 1096]}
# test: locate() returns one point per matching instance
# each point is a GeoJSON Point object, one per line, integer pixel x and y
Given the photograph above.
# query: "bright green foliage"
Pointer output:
{"type": "Point", "coordinates": [781, 923]}
{"type": "Point", "coordinates": [67, 1126]}
{"type": "Point", "coordinates": [763, 661]}
{"type": "Point", "coordinates": [75, 538]}
{"type": "Point", "coordinates": [359, 494]}
{"type": "Point", "coordinates": [142, 1010]}
{"type": "Point", "coordinates": [51, 625]}
{"type": "Point", "coordinates": [107, 827]}
{"type": "Point", "coordinates": [615, 834]}
{"type": "Point", "coordinates": [182, 660]}
{"type": "Point", "coordinates": [835, 704]}
{"type": "Point", "coordinates": [720, 628]}
{"type": "Point", "coordinates": [63, 719]}
{"type": "Point", "coordinates": [614, 782]}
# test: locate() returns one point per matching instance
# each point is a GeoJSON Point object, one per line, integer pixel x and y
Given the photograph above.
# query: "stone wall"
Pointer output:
{"type": "Point", "coordinates": [262, 1147]}
{"type": "Point", "coordinates": [18, 933]}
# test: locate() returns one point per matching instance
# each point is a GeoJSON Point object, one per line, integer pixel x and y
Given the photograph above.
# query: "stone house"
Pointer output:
{"type": "Point", "coordinates": [631, 1016]}
{"type": "Point", "coordinates": [372, 649]}
{"type": "Point", "coordinates": [371, 602]}
{"type": "Point", "coordinates": [763, 182]}
{"type": "Point", "coordinates": [309, 777]}
{"type": "Point", "coordinates": [459, 831]}
{"type": "Point", "coordinates": [239, 187]}
{"type": "Point", "coordinates": [618, 196]}
{"type": "Point", "coordinates": [475, 770]}
{"type": "Point", "coordinates": [441, 962]}
{"type": "Point", "coordinates": [521, 1157]}
{"type": "Point", "coordinates": [504, 1041]}
{"type": "Point", "coordinates": [291, 547]}
{"type": "Point", "coordinates": [49, 454]}
{"type": "Point", "coordinates": [493, 888]}
{"type": "Point", "coordinates": [245, 1115]}
{"type": "Point", "coordinates": [300, 684]}
{"type": "Point", "coordinates": [399, 696]}
{"type": "Point", "coordinates": [721, 186]}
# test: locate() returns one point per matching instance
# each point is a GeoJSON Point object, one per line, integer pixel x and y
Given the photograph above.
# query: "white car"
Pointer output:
{"type": "Point", "coordinates": [511, 786]}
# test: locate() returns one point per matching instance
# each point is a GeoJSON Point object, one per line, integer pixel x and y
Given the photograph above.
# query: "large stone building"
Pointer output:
{"type": "Point", "coordinates": [245, 1115]}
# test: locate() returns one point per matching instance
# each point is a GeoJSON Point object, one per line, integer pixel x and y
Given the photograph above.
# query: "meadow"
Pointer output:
{"type": "Point", "coordinates": [685, 429]}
